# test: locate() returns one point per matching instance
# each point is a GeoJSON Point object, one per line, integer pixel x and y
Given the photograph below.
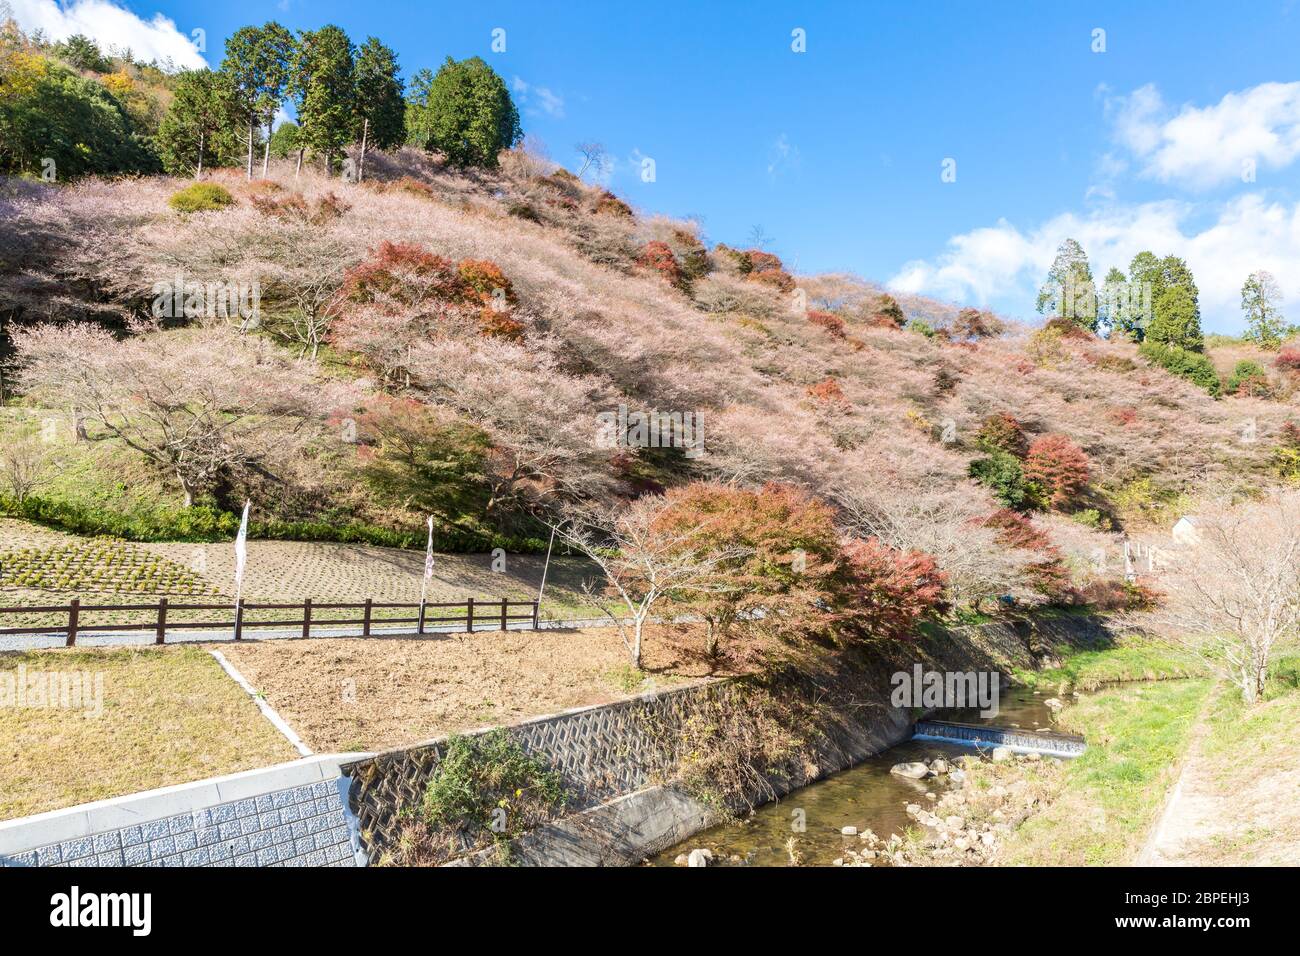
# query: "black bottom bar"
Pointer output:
{"type": "Point", "coordinates": [1219, 905]}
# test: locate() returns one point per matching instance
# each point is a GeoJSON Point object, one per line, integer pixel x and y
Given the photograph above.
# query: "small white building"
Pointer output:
{"type": "Point", "coordinates": [1186, 531]}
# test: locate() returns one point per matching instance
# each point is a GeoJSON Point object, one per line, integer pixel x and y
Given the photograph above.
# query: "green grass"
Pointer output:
{"type": "Point", "coordinates": [1132, 659]}
{"type": "Point", "coordinates": [1269, 729]}
{"type": "Point", "coordinates": [1111, 796]}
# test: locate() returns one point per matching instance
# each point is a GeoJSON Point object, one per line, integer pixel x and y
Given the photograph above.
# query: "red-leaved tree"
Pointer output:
{"type": "Point", "coordinates": [887, 592]}
{"type": "Point", "coordinates": [1059, 466]}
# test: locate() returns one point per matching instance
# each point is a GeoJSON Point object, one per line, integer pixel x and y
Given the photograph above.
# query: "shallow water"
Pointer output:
{"type": "Point", "coordinates": [867, 796]}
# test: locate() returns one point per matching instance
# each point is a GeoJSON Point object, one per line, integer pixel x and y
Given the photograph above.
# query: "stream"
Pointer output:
{"type": "Point", "coordinates": [867, 796]}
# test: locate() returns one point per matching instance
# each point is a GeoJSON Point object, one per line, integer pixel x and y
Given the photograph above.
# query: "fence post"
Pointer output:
{"type": "Point", "coordinates": [365, 621]}
{"type": "Point", "coordinates": [161, 635]}
{"type": "Point", "coordinates": [469, 616]}
{"type": "Point", "coordinates": [419, 628]}
{"type": "Point", "coordinates": [504, 625]}
{"type": "Point", "coordinates": [535, 609]}
{"type": "Point", "coordinates": [239, 620]}
{"type": "Point", "coordinates": [74, 612]}
{"type": "Point", "coordinates": [306, 617]}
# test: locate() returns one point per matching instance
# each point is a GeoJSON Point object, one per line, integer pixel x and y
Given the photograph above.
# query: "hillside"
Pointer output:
{"type": "Point", "coordinates": [441, 341]}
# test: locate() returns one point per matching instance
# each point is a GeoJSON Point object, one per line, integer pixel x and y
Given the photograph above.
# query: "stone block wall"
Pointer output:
{"type": "Point", "coordinates": [294, 815]}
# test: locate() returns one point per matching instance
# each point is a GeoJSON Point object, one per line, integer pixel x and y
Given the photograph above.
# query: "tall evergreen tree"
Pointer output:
{"type": "Point", "coordinates": [1177, 320]}
{"type": "Point", "coordinates": [467, 113]}
{"type": "Point", "coordinates": [197, 127]}
{"type": "Point", "coordinates": [1150, 277]}
{"type": "Point", "coordinates": [1069, 290]}
{"type": "Point", "coordinates": [258, 61]}
{"type": "Point", "coordinates": [285, 140]}
{"type": "Point", "coordinates": [324, 89]}
{"type": "Point", "coordinates": [380, 109]}
{"type": "Point", "coordinates": [279, 48]}
{"type": "Point", "coordinates": [82, 52]}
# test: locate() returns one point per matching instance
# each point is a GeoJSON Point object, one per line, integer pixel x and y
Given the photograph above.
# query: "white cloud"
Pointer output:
{"type": "Point", "coordinates": [1200, 147]}
{"type": "Point", "coordinates": [1001, 262]}
{"type": "Point", "coordinates": [110, 25]}
{"type": "Point", "coordinates": [537, 100]}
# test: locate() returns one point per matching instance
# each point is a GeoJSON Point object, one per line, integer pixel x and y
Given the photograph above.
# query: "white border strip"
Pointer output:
{"type": "Point", "coordinates": [267, 710]}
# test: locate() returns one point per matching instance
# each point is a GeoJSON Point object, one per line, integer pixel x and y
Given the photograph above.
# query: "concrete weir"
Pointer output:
{"type": "Point", "coordinates": [981, 736]}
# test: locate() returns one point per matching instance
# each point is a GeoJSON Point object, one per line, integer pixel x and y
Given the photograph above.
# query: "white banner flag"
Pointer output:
{"type": "Point", "coordinates": [428, 553]}
{"type": "Point", "coordinates": [241, 552]}
{"type": "Point", "coordinates": [428, 572]}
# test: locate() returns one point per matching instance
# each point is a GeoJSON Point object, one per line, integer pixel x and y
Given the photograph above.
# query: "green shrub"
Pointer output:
{"type": "Point", "coordinates": [1192, 366]}
{"type": "Point", "coordinates": [201, 197]}
{"type": "Point", "coordinates": [487, 787]}
{"type": "Point", "coordinates": [1088, 517]}
{"type": "Point", "coordinates": [1001, 473]}
{"type": "Point", "coordinates": [1248, 378]}
{"type": "Point", "coordinates": [924, 328]}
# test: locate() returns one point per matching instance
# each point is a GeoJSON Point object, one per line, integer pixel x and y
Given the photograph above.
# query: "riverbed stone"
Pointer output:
{"type": "Point", "coordinates": [939, 766]}
{"type": "Point", "coordinates": [1001, 754]}
{"type": "Point", "coordinates": [849, 831]}
{"type": "Point", "coordinates": [912, 771]}
{"type": "Point", "coordinates": [698, 858]}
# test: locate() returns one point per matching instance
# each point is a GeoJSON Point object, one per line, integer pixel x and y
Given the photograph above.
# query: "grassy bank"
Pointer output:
{"type": "Point", "coordinates": [1110, 797]}
{"type": "Point", "coordinates": [147, 718]}
{"type": "Point", "coordinates": [1247, 767]}
{"type": "Point", "coordinates": [1132, 658]}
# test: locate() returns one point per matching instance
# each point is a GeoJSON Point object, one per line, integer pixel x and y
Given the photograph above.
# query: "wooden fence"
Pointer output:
{"type": "Point", "coordinates": [474, 612]}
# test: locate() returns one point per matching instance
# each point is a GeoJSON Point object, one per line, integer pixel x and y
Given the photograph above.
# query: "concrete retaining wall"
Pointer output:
{"type": "Point", "coordinates": [614, 758]}
{"type": "Point", "coordinates": [294, 814]}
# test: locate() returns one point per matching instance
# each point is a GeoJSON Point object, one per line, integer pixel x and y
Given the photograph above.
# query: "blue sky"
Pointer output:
{"type": "Point", "coordinates": [837, 151]}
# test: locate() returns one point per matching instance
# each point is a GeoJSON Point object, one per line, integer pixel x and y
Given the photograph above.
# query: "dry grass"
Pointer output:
{"type": "Point", "coordinates": [169, 715]}
{"type": "Point", "coordinates": [355, 694]}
